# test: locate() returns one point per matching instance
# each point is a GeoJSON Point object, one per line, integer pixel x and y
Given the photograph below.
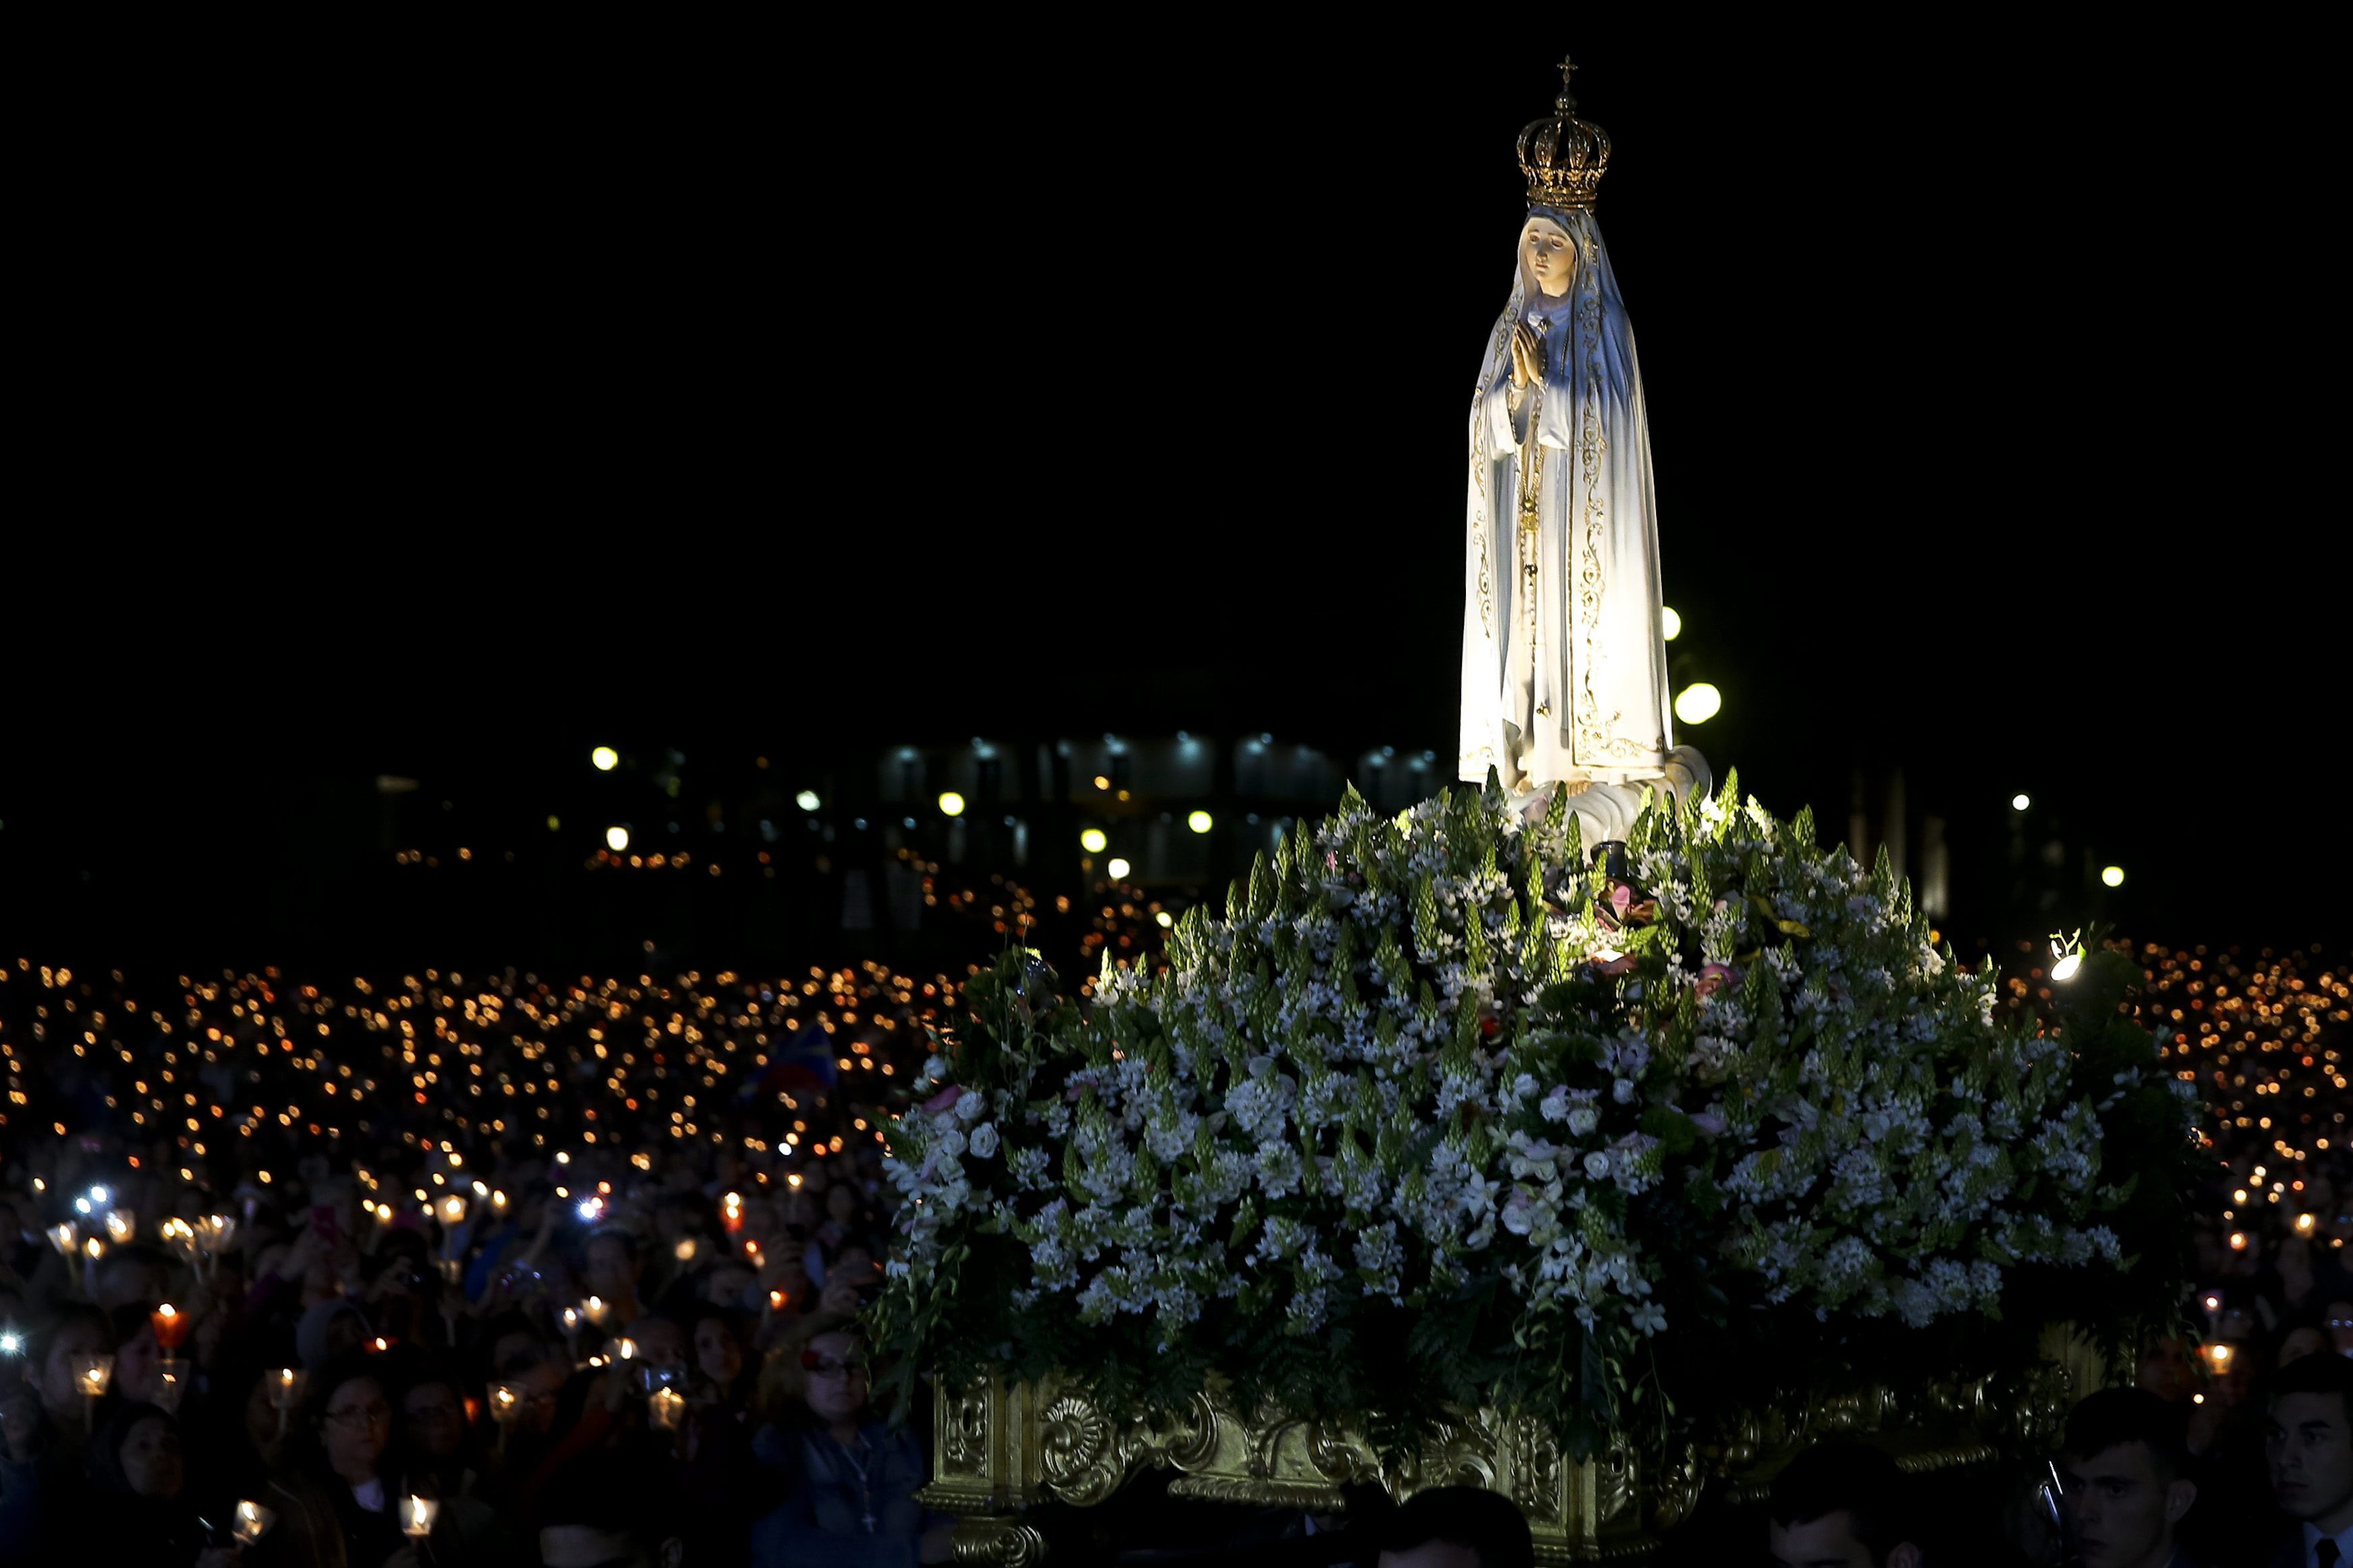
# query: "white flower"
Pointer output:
{"type": "Point", "coordinates": [1596, 1165]}
{"type": "Point", "coordinates": [971, 1108]}
{"type": "Point", "coordinates": [983, 1141]}
{"type": "Point", "coordinates": [1583, 1120]}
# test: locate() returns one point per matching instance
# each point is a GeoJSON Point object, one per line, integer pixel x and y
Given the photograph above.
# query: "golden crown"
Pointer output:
{"type": "Point", "coordinates": [1564, 157]}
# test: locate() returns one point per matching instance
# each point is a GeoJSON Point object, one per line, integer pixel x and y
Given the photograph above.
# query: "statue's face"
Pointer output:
{"type": "Point", "coordinates": [1552, 257]}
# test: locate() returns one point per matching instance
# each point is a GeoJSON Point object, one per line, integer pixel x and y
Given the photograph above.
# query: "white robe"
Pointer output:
{"type": "Point", "coordinates": [1579, 691]}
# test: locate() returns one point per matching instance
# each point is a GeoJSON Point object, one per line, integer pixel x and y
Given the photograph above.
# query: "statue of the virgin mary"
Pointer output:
{"type": "Point", "coordinates": [1563, 660]}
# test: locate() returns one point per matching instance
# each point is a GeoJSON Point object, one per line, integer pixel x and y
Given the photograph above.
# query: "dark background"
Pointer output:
{"type": "Point", "coordinates": [444, 407]}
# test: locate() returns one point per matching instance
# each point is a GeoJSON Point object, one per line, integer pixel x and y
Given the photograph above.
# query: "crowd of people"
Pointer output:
{"type": "Point", "coordinates": [509, 1268]}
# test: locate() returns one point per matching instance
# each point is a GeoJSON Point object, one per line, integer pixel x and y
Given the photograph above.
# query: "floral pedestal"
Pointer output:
{"type": "Point", "coordinates": [1001, 1448]}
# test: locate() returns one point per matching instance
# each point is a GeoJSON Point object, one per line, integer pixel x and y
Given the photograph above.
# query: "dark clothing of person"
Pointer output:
{"type": "Point", "coordinates": [843, 1508]}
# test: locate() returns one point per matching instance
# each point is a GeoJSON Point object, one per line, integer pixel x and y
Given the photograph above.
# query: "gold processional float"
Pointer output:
{"type": "Point", "coordinates": [1000, 1449]}
{"type": "Point", "coordinates": [1004, 1447]}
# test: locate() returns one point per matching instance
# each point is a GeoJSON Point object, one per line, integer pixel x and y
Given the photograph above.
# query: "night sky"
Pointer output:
{"type": "Point", "coordinates": [446, 423]}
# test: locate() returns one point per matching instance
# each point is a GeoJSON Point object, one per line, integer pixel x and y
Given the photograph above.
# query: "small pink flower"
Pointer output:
{"type": "Point", "coordinates": [945, 1100]}
{"type": "Point", "coordinates": [1621, 897]}
{"type": "Point", "coordinates": [1712, 978]}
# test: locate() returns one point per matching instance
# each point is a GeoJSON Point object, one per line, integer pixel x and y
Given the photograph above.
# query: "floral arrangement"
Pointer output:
{"type": "Point", "coordinates": [1453, 1109]}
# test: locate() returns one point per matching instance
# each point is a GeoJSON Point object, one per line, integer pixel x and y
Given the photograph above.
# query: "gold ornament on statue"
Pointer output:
{"type": "Point", "coordinates": [1564, 157]}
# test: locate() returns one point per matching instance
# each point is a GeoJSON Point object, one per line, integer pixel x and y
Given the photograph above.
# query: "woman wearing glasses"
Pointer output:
{"type": "Point", "coordinates": [850, 1479]}
{"type": "Point", "coordinates": [338, 1499]}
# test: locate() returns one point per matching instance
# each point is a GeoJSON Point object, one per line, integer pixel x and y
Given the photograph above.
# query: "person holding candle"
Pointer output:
{"type": "Point", "coordinates": [335, 1502]}
{"type": "Point", "coordinates": [613, 1268]}
{"type": "Point", "coordinates": [45, 1429]}
{"type": "Point", "coordinates": [140, 1508]}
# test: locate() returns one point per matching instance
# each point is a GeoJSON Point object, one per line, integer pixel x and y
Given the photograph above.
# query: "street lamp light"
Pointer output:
{"type": "Point", "coordinates": [617, 840]}
{"type": "Point", "coordinates": [605, 758]}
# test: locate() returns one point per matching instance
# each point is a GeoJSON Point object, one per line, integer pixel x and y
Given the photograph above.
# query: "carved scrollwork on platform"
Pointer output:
{"type": "Point", "coordinates": [963, 1434]}
{"type": "Point", "coordinates": [1614, 1494]}
{"type": "Point", "coordinates": [1460, 1454]}
{"type": "Point", "coordinates": [1675, 1487]}
{"type": "Point", "coordinates": [1078, 1456]}
{"type": "Point", "coordinates": [1311, 1496]}
{"type": "Point", "coordinates": [1536, 1462]}
{"type": "Point", "coordinates": [1190, 1438]}
{"type": "Point", "coordinates": [1007, 1542]}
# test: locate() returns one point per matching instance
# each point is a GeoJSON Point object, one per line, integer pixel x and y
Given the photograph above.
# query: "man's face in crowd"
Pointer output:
{"type": "Point", "coordinates": [2310, 1447]}
{"type": "Point", "coordinates": [2124, 1512]}
{"type": "Point", "coordinates": [2340, 1324]}
{"type": "Point", "coordinates": [435, 1419]}
{"type": "Point", "coordinates": [660, 1342]}
{"type": "Point", "coordinates": [1830, 1543]}
{"type": "Point", "coordinates": [612, 1273]}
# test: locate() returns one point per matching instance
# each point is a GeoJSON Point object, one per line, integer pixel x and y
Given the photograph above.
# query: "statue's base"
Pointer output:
{"type": "Point", "coordinates": [1607, 805]}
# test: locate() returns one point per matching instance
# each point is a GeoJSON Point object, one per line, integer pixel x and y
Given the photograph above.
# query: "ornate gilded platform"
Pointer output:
{"type": "Point", "coordinates": [1003, 1448]}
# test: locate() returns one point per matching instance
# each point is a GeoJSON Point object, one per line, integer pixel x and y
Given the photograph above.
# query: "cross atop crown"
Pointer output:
{"type": "Point", "coordinates": [1562, 155]}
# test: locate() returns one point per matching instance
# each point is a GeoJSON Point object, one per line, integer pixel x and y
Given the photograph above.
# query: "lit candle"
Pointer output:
{"type": "Point", "coordinates": [2219, 1356]}
{"type": "Point", "coordinates": [121, 1226]}
{"type": "Point", "coordinates": [417, 1515]}
{"type": "Point", "coordinates": [665, 1408]}
{"type": "Point", "coordinates": [594, 1310]}
{"type": "Point", "coordinates": [731, 1212]}
{"type": "Point", "coordinates": [253, 1522]}
{"type": "Point", "coordinates": [170, 1384]}
{"type": "Point", "coordinates": [171, 1326]}
{"type": "Point", "coordinates": [65, 1238]}
{"type": "Point", "coordinates": [626, 1349]}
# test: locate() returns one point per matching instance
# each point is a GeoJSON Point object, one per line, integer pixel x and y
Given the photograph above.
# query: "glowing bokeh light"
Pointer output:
{"type": "Point", "coordinates": [1093, 840]}
{"type": "Point", "coordinates": [951, 804]}
{"type": "Point", "coordinates": [1698, 703]}
{"type": "Point", "coordinates": [1117, 869]}
{"type": "Point", "coordinates": [1200, 822]}
{"type": "Point", "coordinates": [1670, 624]}
{"type": "Point", "coordinates": [2114, 876]}
{"type": "Point", "coordinates": [605, 758]}
{"type": "Point", "coordinates": [617, 840]}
